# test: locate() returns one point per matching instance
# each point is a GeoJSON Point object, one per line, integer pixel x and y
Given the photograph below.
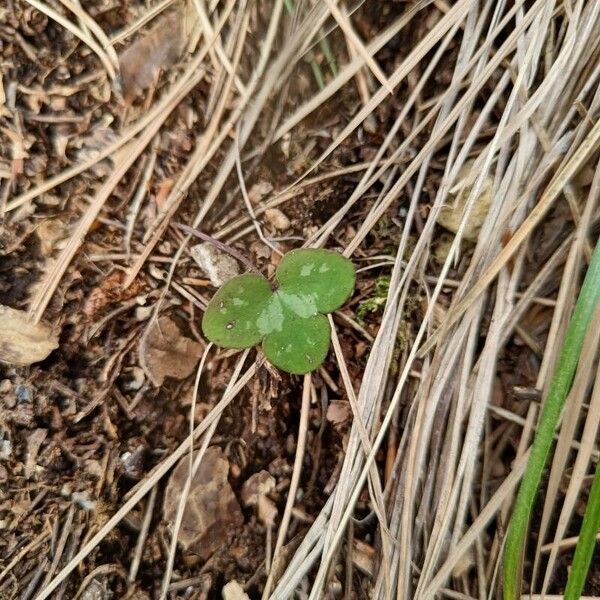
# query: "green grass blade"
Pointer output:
{"type": "Point", "coordinates": [326, 49]}
{"type": "Point", "coordinates": [559, 388]}
{"type": "Point", "coordinates": [586, 542]}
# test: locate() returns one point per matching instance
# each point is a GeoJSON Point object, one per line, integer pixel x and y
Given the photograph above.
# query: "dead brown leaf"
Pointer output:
{"type": "Point", "coordinates": [217, 264]}
{"type": "Point", "coordinates": [450, 215]}
{"type": "Point", "coordinates": [34, 443]}
{"type": "Point", "coordinates": [23, 342]}
{"type": "Point", "coordinates": [212, 512]}
{"type": "Point", "coordinates": [339, 413]}
{"type": "Point", "coordinates": [257, 485]}
{"type": "Point", "coordinates": [166, 352]}
{"type": "Point", "coordinates": [50, 233]}
{"type": "Point", "coordinates": [277, 219]}
{"type": "Point", "coordinates": [110, 291]}
{"type": "Point", "coordinates": [233, 591]}
{"type": "Point", "coordinates": [159, 49]}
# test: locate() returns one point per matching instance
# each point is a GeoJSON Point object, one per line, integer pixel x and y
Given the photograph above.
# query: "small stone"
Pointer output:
{"type": "Point", "coordinates": [258, 191]}
{"type": "Point", "coordinates": [217, 264]}
{"type": "Point", "coordinates": [96, 590]}
{"type": "Point", "coordinates": [277, 219]}
{"type": "Point", "coordinates": [6, 449]}
{"type": "Point", "coordinates": [22, 393]}
{"type": "Point", "coordinates": [132, 462]}
{"type": "Point", "coordinates": [143, 313]}
{"type": "Point", "coordinates": [82, 499]}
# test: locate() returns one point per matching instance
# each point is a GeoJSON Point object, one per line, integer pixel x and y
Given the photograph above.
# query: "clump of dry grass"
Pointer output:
{"type": "Point", "coordinates": [521, 103]}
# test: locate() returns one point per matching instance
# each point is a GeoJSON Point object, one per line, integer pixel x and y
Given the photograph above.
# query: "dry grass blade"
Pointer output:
{"type": "Point", "coordinates": [295, 480]}
{"type": "Point", "coordinates": [106, 58]}
{"type": "Point", "coordinates": [202, 155]}
{"type": "Point", "coordinates": [102, 38]}
{"type": "Point", "coordinates": [346, 26]}
{"type": "Point", "coordinates": [583, 152]}
{"type": "Point", "coordinates": [194, 464]}
{"type": "Point", "coordinates": [148, 483]}
{"type": "Point", "coordinates": [580, 384]}
{"type": "Point", "coordinates": [140, 21]}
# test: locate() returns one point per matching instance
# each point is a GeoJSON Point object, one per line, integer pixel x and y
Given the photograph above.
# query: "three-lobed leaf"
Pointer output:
{"type": "Point", "coordinates": [290, 322]}
{"type": "Point", "coordinates": [231, 318]}
{"type": "Point", "coordinates": [327, 276]}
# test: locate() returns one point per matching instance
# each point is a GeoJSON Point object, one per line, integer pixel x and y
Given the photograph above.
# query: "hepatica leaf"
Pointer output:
{"type": "Point", "coordinates": [231, 318]}
{"type": "Point", "coordinates": [326, 275]}
{"type": "Point", "coordinates": [290, 322]}
{"type": "Point", "coordinates": [301, 344]}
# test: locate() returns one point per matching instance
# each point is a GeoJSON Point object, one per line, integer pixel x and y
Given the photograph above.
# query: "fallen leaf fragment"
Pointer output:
{"type": "Point", "coordinates": [277, 219]}
{"type": "Point", "coordinates": [217, 264]}
{"type": "Point", "coordinates": [257, 485]}
{"type": "Point", "coordinates": [50, 233]}
{"type": "Point", "coordinates": [451, 214]}
{"type": "Point", "coordinates": [23, 342]}
{"type": "Point", "coordinates": [166, 352]}
{"type": "Point", "coordinates": [339, 412]}
{"type": "Point", "coordinates": [159, 49]}
{"type": "Point", "coordinates": [255, 493]}
{"type": "Point", "coordinates": [363, 557]}
{"type": "Point", "coordinates": [234, 591]}
{"type": "Point", "coordinates": [34, 442]}
{"type": "Point", "coordinates": [212, 512]}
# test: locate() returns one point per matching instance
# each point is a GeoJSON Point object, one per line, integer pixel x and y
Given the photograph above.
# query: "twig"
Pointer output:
{"type": "Point", "coordinates": [147, 484]}
{"type": "Point", "coordinates": [60, 547]}
{"type": "Point", "coordinates": [344, 23]}
{"type": "Point", "coordinates": [101, 570]}
{"type": "Point", "coordinates": [141, 541]}
{"type": "Point", "coordinates": [77, 32]}
{"type": "Point", "coordinates": [240, 174]}
{"type": "Point", "coordinates": [35, 542]}
{"type": "Point", "coordinates": [140, 194]}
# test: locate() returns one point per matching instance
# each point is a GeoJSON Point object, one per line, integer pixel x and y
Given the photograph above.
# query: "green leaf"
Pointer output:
{"type": "Point", "coordinates": [295, 336]}
{"type": "Point", "coordinates": [325, 275]}
{"type": "Point", "coordinates": [581, 321]}
{"type": "Point", "coordinates": [586, 543]}
{"type": "Point", "coordinates": [231, 317]}
{"type": "Point", "coordinates": [300, 344]}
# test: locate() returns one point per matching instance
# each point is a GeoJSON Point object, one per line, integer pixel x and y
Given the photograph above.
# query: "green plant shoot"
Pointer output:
{"type": "Point", "coordinates": [586, 543]}
{"type": "Point", "coordinates": [290, 321]}
{"type": "Point", "coordinates": [559, 388]}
